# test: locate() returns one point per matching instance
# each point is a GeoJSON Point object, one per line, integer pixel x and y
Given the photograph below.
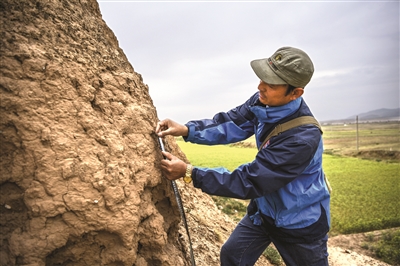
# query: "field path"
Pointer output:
{"type": "Point", "coordinates": [343, 257]}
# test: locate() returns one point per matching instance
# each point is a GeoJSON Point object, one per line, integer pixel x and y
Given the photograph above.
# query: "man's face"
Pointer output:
{"type": "Point", "coordinates": [275, 95]}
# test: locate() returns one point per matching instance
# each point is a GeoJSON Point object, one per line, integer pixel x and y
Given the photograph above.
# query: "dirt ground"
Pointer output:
{"type": "Point", "coordinates": [347, 250]}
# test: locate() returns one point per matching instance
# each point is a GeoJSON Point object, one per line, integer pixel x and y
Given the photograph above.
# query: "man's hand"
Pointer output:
{"type": "Point", "coordinates": [172, 167]}
{"type": "Point", "coordinates": [169, 127]}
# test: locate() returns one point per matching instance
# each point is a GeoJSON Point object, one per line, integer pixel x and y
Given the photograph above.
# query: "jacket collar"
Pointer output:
{"type": "Point", "coordinates": [268, 114]}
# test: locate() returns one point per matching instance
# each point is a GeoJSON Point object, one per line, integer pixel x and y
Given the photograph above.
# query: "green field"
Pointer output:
{"type": "Point", "coordinates": [366, 194]}
{"type": "Point", "coordinates": [350, 138]}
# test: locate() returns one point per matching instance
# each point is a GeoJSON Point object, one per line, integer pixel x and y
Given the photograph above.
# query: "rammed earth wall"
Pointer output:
{"type": "Point", "coordinates": [79, 165]}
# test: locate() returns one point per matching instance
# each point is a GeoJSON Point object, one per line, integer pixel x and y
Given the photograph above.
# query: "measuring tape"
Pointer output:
{"type": "Point", "coordinates": [180, 206]}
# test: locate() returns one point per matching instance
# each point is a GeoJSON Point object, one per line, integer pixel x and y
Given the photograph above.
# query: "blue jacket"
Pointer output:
{"type": "Point", "coordinates": [285, 182]}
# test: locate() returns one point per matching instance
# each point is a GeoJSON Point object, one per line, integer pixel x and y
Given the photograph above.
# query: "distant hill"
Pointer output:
{"type": "Point", "coordinates": [380, 114]}
{"type": "Point", "coordinates": [383, 114]}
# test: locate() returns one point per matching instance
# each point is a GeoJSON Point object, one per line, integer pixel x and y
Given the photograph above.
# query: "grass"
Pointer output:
{"type": "Point", "coordinates": [385, 247]}
{"type": "Point", "coordinates": [235, 208]}
{"type": "Point", "coordinates": [217, 156]}
{"type": "Point", "coordinates": [366, 193]}
{"type": "Point", "coordinates": [273, 256]}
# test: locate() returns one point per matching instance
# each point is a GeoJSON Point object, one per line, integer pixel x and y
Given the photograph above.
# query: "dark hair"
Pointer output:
{"type": "Point", "coordinates": [289, 89]}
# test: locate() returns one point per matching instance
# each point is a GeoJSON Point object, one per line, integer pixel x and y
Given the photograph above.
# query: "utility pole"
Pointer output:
{"type": "Point", "coordinates": [357, 131]}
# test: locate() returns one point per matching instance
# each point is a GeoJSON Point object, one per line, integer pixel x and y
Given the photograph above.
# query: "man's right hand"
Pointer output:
{"type": "Point", "coordinates": [169, 127]}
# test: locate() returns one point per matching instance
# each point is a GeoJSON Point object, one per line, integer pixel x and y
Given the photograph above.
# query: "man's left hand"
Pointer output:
{"type": "Point", "coordinates": [172, 167]}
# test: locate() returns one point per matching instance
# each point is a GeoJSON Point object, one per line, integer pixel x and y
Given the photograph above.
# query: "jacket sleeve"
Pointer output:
{"type": "Point", "coordinates": [286, 157]}
{"type": "Point", "coordinates": [224, 128]}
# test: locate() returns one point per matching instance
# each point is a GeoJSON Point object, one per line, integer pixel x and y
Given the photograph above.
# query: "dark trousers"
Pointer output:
{"type": "Point", "coordinates": [248, 241]}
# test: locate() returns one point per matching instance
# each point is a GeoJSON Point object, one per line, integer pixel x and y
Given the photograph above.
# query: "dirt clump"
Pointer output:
{"type": "Point", "coordinates": [379, 155]}
{"type": "Point", "coordinates": [80, 182]}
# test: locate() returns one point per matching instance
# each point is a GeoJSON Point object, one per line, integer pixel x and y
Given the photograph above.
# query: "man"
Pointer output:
{"type": "Point", "coordinates": [289, 197]}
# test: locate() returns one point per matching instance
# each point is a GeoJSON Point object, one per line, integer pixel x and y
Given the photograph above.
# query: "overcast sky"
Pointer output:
{"type": "Point", "coordinates": [195, 55]}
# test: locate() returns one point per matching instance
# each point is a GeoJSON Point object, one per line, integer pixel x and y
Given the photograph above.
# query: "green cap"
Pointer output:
{"type": "Point", "coordinates": [287, 65]}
